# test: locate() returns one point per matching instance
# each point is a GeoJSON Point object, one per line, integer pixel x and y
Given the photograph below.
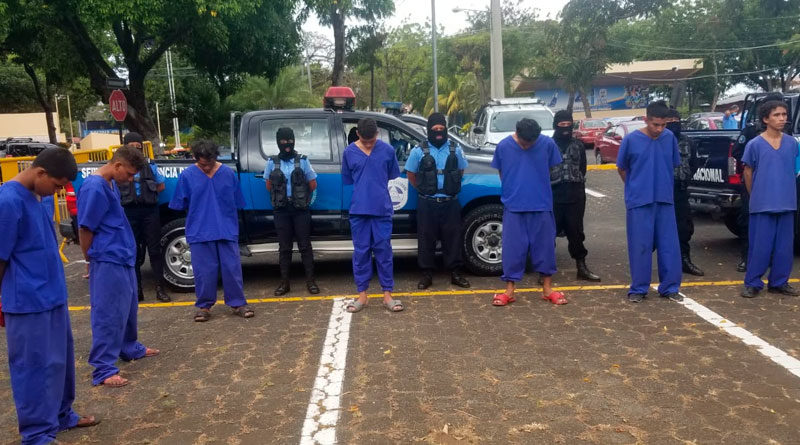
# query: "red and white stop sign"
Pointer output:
{"type": "Point", "coordinates": [118, 105]}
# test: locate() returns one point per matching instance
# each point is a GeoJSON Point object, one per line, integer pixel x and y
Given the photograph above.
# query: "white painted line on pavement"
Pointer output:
{"type": "Point", "coordinates": [594, 193]}
{"type": "Point", "coordinates": [323, 410]}
{"type": "Point", "coordinates": [783, 359]}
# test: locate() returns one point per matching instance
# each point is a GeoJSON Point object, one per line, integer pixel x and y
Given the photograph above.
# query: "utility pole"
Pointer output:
{"type": "Point", "coordinates": [497, 90]}
{"type": "Point", "coordinates": [158, 123]}
{"type": "Point", "coordinates": [171, 85]}
{"type": "Point", "coordinates": [435, 68]}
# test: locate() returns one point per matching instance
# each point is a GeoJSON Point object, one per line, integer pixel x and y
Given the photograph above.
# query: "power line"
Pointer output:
{"type": "Point", "coordinates": [718, 50]}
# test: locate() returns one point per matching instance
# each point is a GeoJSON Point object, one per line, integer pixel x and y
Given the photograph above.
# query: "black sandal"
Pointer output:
{"type": "Point", "coordinates": [202, 315]}
{"type": "Point", "coordinates": [244, 311]}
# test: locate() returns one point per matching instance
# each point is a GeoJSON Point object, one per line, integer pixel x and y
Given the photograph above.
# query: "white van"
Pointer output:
{"type": "Point", "coordinates": [499, 118]}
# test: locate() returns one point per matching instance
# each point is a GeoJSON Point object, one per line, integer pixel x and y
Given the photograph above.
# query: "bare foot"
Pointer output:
{"type": "Point", "coordinates": [151, 352]}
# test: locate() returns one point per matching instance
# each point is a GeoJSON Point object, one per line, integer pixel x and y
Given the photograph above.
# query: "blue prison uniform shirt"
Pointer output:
{"type": "Point", "coordinates": [100, 211]}
{"type": "Point", "coordinates": [525, 174]}
{"type": "Point", "coordinates": [370, 176]}
{"type": "Point", "coordinates": [211, 204]}
{"type": "Point", "coordinates": [34, 278]}
{"type": "Point", "coordinates": [774, 188]}
{"type": "Point", "coordinates": [649, 166]}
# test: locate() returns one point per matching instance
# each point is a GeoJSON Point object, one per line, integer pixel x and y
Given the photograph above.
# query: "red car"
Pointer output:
{"type": "Point", "coordinates": [606, 146]}
{"type": "Point", "coordinates": [587, 130]}
{"type": "Point", "coordinates": [705, 123]}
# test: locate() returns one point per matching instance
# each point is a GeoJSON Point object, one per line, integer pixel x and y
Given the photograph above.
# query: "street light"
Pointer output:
{"type": "Point", "coordinates": [497, 84]}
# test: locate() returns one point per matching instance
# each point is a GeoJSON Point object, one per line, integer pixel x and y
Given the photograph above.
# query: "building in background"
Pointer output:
{"type": "Point", "coordinates": [28, 125]}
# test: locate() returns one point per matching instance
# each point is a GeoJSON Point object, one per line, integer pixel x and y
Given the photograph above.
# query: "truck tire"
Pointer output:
{"type": "Point", "coordinates": [732, 223]}
{"type": "Point", "coordinates": [177, 257]}
{"type": "Point", "coordinates": [482, 245]}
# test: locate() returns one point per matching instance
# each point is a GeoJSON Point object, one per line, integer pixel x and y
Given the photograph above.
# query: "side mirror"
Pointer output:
{"type": "Point", "coordinates": [478, 130]}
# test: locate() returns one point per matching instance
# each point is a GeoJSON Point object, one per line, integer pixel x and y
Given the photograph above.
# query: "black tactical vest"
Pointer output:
{"type": "Point", "coordinates": [301, 192]}
{"type": "Point", "coordinates": [148, 188]}
{"type": "Point", "coordinates": [427, 176]}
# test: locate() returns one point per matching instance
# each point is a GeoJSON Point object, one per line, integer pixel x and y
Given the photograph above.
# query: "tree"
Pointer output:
{"type": "Point", "coordinates": [333, 13]}
{"type": "Point", "coordinates": [287, 90]}
{"type": "Point", "coordinates": [365, 43]}
{"type": "Point", "coordinates": [233, 31]}
{"type": "Point", "coordinates": [460, 97]}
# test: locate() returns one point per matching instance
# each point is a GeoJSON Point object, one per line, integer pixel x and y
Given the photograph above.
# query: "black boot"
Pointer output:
{"type": "Point", "coordinates": [312, 287]}
{"type": "Point", "coordinates": [283, 289]}
{"type": "Point", "coordinates": [458, 279]}
{"type": "Point", "coordinates": [161, 295]}
{"type": "Point", "coordinates": [583, 272]}
{"type": "Point", "coordinates": [690, 268]}
{"type": "Point", "coordinates": [425, 282]}
{"type": "Point", "coordinates": [742, 266]}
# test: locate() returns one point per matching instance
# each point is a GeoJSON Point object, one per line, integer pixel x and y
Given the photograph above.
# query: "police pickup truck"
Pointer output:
{"type": "Point", "coordinates": [717, 184]}
{"type": "Point", "coordinates": [321, 135]}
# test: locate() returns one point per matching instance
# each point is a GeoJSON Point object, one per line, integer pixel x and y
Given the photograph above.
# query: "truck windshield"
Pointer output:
{"type": "Point", "coordinates": [594, 123]}
{"type": "Point", "coordinates": [506, 121]}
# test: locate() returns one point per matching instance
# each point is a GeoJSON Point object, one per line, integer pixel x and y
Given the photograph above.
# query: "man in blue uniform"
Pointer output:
{"type": "Point", "coordinates": [368, 165]}
{"type": "Point", "coordinates": [140, 201]}
{"type": "Point", "coordinates": [523, 161]}
{"type": "Point", "coordinates": [435, 169]}
{"type": "Point", "coordinates": [769, 176]}
{"type": "Point", "coordinates": [646, 162]}
{"type": "Point", "coordinates": [210, 194]}
{"type": "Point", "coordinates": [729, 121]}
{"type": "Point", "coordinates": [108, 245]}
{"type": "Point", "coordinates": [34, 301]}
{"type": "Point", "coordinates": [290, 187]}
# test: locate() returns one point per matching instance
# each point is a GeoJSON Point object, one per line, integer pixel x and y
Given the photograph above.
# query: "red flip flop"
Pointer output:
{"type": "Point", "coordinates": [555, 298]}
{"type": "Point", "coordinates": [502, 299]}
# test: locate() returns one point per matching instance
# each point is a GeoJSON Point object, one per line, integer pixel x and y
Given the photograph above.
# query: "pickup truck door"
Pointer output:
{"type": "Point", "coordinates": [404, 197]}
{"type": "Point", "coordinates": [313, 132]}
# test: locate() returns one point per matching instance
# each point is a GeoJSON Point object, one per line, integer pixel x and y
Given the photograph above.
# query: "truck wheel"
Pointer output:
{"type": "Point", "coordinates": [732, 223]}
{"type": "Point", "coordinates": [177, 256]}
{"type": "Point", "coordinates": [483, 235]}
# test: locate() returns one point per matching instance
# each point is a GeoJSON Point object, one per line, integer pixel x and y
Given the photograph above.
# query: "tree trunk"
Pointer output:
{"type": "Point", "coordinates": [371, 87]}
{"type": "Point", "coordinates": [587, 107]}
{"type": "Point", "coordinates": [571, 101]}
{"type": "Point", "coordinates": [715, 99]}
{"type": "Point", "coordinates": [337, 22]}
{"type": "Point", "coordinates": [44, 101]}
{"type": "Point", "coordinates": [138, 118]}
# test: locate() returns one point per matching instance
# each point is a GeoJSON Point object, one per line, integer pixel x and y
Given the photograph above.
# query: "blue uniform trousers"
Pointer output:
{"type": "Point", "coordinates": [209, 260]}
{"type": "Point", "coordinates": [42, 369]}
{"type": "Point", "coordinates": [115, 306]}
{"type": "Point", "coordinates": [650, 227]}
{"type": "Point", "coordinates": [771, 242]}
{"type": "Point", "coordinates": [372, 235]}
{"type": "Point", "coordinates": [528, 233]}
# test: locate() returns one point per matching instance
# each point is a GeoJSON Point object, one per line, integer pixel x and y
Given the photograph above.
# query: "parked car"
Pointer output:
{"type": "Point", "coordinates": [19, 147]}
{"type": "Point", "coordinates": [321, 135]}
{"type": "Point", "coordinates": [498, 119]}
{"type": "Point", "coordinates": [707, 122]}
{"type": "Point", "coordinates": [606, 146]}
{"type": "Point", "coordinates": [587, 130]}
{"type": "Point", "coordinates": [611, 121]}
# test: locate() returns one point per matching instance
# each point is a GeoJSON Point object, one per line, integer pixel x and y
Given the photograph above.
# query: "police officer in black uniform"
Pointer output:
{"type": "Point", "coordinates": [435, 170]}
{"type": "Point", "coordinates": [569, 191]}
{"type": "Point", "coordinates": [683, 175]}
{"type": "Point", "coordinates": [290, 181]}
{"type": "Point", "coordinates": [139, 198]}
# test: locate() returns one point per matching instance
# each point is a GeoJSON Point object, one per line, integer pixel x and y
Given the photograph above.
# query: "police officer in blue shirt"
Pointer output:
{"type": "Point", "coordinates": [291, 180]}
{"type": "Point", "coordinates": [435, 169]}
{"type": "Point", "coordinates": [140, 200]}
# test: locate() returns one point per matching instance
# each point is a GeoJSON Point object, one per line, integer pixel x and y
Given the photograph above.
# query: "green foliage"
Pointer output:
{"type": "Point", "coordinates": [288, 90]}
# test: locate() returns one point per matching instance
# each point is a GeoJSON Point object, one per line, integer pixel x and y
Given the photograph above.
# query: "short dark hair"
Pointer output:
{"type": "Point", "coordinates": [768, 107]}
{"type": "Point", "coordinates": [130, 155]}
{"type": "Point", "coordinates": [58, 163]}
{"type": "Point", "coordinates": [367, 128]}
{"type": "Point", "coordinates": [658, 110]}
{"type": "Point", "coordinates": [205, 149]}
{"type": "Point", "coordinates": [132, 136]}
{"type": "Point", "coordinates": [528, 129]}
{"type": "Point", "coordinates": [673, 113]}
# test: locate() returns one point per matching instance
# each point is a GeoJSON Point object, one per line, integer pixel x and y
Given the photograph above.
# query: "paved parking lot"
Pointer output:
{"type": "Point", "coordinates": [452, 369]}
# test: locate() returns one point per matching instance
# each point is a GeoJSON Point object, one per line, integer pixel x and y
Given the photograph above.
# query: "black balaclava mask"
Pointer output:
{"type": "Point", "coordinates": [132, 136]}
{"type": "Point", "coordinates": [286, 149]}
{"type": "Point", "coordinates": [562, 133]}
{"type": "Point", "coordinates": [437, 138]}
{"type": "Point", "coordinates": [675, 128]}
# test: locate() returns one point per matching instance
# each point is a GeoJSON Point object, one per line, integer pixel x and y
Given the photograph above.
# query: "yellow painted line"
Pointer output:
{"type": "Point", "coordinates": [524, 290]}
{"type": "Point", "coordinates": [601, 167]}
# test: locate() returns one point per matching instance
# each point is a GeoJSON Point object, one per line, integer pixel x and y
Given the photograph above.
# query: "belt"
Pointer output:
{"type": "Point", "coordinates": [437, 199]}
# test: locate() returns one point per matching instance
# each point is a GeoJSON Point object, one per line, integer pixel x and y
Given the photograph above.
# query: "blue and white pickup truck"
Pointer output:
{"type": "Point", "coordinates": [321, 134]}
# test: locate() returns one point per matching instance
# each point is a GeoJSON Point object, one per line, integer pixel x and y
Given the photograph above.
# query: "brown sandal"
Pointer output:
{"type": "Point", "coordinates": [244, 311]}
{"type": "Point", "coordinates": [202, 315]}
{"type": "Point", "coordinates": [86, 421]}
{"type": "Point", "coordinates": [115, 381]}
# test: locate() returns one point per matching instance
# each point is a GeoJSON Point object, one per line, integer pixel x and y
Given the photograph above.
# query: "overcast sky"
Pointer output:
{"type": "Point", "coordinates": [419, 11]}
